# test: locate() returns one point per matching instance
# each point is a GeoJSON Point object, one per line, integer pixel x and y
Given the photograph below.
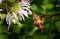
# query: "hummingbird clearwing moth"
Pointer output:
{"type": "Point", "coordinates": [38, 21]}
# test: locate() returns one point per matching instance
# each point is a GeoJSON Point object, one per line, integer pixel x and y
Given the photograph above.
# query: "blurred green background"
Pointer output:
{"type": "Point", "coordinates": [25, 29]}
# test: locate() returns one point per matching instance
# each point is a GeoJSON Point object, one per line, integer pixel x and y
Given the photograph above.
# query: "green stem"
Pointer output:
{"type": "Point", "coordinates": [51, 27]}
{"type": "Point", "coordinates": [33, 31]}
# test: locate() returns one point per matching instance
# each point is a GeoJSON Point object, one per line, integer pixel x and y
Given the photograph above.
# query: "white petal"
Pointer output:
{"type": "Point", "coordinates": [7, 18]}
{"type": "Point", "coordinates": [25, 13]}
{"type": "Point", "coordinates": [22, 12]}
{"type": "Point", "coordinates": [21, 15]}
{"type": "Point", "coordinates": [26, 8]}
{"type": "Point", "coordinates": [8, 21]}
{"type": "Point", "coordinates": [1, 9]}
{"type": "Point", "coordinates": [29, 12]}
{"type": "Point", "coordinates": [24, 3]}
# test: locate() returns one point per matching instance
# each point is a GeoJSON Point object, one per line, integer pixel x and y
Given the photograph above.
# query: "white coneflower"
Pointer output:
{"type": "Point", "coordinates": [24, 10]}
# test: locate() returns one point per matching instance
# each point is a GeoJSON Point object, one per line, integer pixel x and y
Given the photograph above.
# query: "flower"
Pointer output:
{"type": "Point", "coordinates": [9, 18]}
{"type": "Point", "coordinates": [25, 9]}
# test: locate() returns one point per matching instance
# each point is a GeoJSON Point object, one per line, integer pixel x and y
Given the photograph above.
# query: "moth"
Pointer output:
{"type": "Point", "coordinates": [38, 21]}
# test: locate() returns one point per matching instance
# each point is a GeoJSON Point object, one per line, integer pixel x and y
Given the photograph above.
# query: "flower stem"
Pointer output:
{"type": "Point", "coordinates": [33, 31]}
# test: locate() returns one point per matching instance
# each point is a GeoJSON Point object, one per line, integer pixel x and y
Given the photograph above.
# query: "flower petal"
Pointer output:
{"type": "Point", "coordinates": [24, 3]}
{"type": "Point", "coordinates": [21, 15]}
{"type": "Point", "coordinates": [1, 9]}
{"type": "Point", "coordinates": [22, 12]}
{"type": "Point", "coordinates": [8, 20]}
{"type": "Point", "coordinates": [29, 12]}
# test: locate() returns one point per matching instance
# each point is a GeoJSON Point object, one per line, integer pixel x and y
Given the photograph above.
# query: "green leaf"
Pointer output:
{"type": "Point", "coordinates": [58, 25]}
{"type": "Point", "coordinates": [46, 1]}
{"type": "Point", "coordinates": [3, 36]}
{"type": "Point", "coordinates": [17, 28]}
{"type": "Point", "coordinates": [3, 29]}
{"type": "Point", "coordinates": [47, 6]}
{"type": "Point", "coordinates": [11, 1]}
{"type": "Point", "coordinates": [33, 31]}
{"type": "Point", "coordinates": [34, 7]}
{"type": "Point", "coordinates": [44, 7]}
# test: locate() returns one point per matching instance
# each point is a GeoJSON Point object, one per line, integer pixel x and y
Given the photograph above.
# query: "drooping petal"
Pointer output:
{"type": "Point", "coordinates": [28, 10]}
{"type": "Point", "coordinates": [8, 20]}
{"type": "Point", "coordinates": [25, 9]}
{"type": "Point", "coordinates": [23, 13]}
{"type": "Point", "coordinates": [26, 6]}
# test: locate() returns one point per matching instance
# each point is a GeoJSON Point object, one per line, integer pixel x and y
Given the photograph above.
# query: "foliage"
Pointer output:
{"type": "Point", "coordinates": [20, 26]}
